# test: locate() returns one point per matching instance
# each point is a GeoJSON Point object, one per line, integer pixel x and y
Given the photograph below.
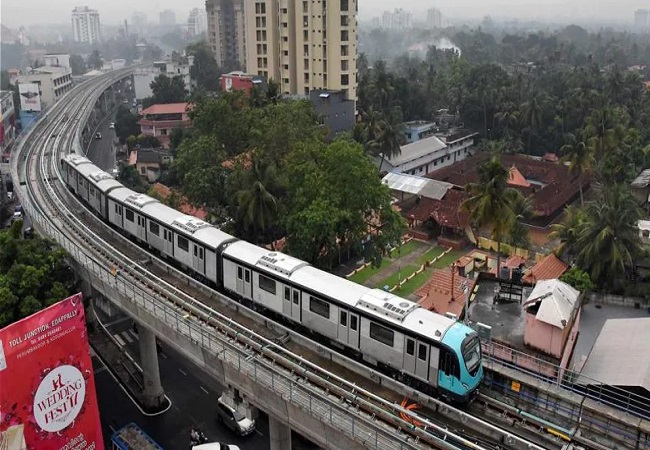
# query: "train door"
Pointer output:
{"type": "Point", "coordinates": [296, 305]}
{"type": "Point", "coordinates": [353, 330]}
{"type": "Point", "coordinates": [344, 323]}
{"type": "Point", "coordinates": [142, 228]}
{"type": "Point", "coordinates": [446, 369]}
{"type": "Point", "coordinates": [422, 360]}
{"type": "Point", "coordinates": [434, 358]}
{"type": "Point", "coordinates": [244, 282]}
{"type": "Point", "coordinates": [409, 355]}
{"type": "Point", "coordinates": [286, 304]}
{"type": "Point", "coordinates": [198, 258]}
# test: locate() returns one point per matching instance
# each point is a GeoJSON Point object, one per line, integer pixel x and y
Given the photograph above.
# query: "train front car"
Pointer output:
{"type": "Point", "coordinates": [463, 376]}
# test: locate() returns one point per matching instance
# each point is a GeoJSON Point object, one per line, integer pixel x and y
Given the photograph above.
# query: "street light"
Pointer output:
{"type": "Point", "coordinates": [465, 288]}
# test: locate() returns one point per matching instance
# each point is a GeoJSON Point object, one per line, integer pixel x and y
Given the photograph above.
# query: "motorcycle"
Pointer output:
{"type": "Point", "coordinates": [197, 438]}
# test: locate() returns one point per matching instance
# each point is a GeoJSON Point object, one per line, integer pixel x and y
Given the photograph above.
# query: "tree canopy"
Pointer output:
{"type": "Point", "coordinates": [126, 124]}
{"type": "Point", "coordinates": [33, 274]}
{"type": "Point", "coordinates": [204, 71]}
{"type": "Point", "coordinates": [168, 90]}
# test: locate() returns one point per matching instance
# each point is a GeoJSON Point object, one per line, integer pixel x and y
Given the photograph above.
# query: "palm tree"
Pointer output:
{"type": "Point", "coordinates": [256, 205]}
{"type": "Point", "coordinates": [531, 115]}
{"type": "Point", "coordinates": [580, 156]}
{"type": "Point", "coordinates": [609, 240]}
{"type": "Point", "coordinates": [490, 202]}
{"type": "Point", "coordinates": [382, 136]}
{"type": "Point", "coordinates": [567, 232]}
{"type": "Point", "coordinates": [508, 118]}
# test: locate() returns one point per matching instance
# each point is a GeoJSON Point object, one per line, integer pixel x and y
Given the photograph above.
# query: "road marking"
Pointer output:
{"type": "Point", "coordinates": [258, 432]}
{"type": "Point", "coordinates": [204, 390]}
{"type": "Point", "coordinates": [181, 371]}
{"type": "Point", "coordinates": [126, 336]}
{"type": "Point", "coordinates": [163, 355]}
{"type": "Point", "coordinates": [119, 340]}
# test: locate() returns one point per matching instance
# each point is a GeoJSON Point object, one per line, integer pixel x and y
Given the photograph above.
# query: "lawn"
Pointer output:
{"type": "Point", "coordinates": [430, 254]}
{"type": "Point", "coordinates": [449, 258]}
{"type": "Point", "coordinates": [361, 276]}
{"type": "Point", "coordinates": [406, 249]}
{"type": "Point", "coordinates": [417, 281]}
{"type": "Point", "coordinates": [394, 278]}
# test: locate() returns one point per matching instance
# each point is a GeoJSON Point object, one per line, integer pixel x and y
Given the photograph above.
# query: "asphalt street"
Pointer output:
{"type": "Point", "coordinates": [101, 151]}
{"type": "Point", "coordinates": [192, 392]}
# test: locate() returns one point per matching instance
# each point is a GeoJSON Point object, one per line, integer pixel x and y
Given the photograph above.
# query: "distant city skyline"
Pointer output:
{"type": "Point", "coordinates": [15, 13]}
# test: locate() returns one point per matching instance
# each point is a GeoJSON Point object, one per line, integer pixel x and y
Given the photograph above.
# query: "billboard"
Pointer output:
{"type": "Point", "coordinates": [30, 99]}
{"type": "Point", "coordinates": [47, 393]}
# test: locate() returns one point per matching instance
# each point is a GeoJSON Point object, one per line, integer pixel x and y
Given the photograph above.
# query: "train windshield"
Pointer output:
{"type": "Point", "coordinates": [472, 353]}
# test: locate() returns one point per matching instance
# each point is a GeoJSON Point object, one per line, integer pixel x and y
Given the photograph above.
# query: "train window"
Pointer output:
{"type": "Point", "coordinates": [247, 276]}
{"type": "Point", "coordinates": [267, 284]}
{"type": "Point", "coordinates": [116, 209]}
{"type": "Point", "coordinates": [287, 293]}
{"type": "Point", "coordinates": [320, 307]}
{"type": "Point", "coordinates": [422, 352]}
{"type": "Point", "coordinates": [169, 236]}
{"type": "Point", "coordinates": [183, 244]}
{"type": "Point", "coordinates": [239, 273]}
{"type": "Point", "coordinates": [97, 195]}
{"type": "Point", "coordinates": [353, 322]}
{"type": "Point", "coordinates": [196, 251]}
{"type": "Point", "coordinates": [449, 363]}
{"type": "Point", "coordinates": [296, 297]}
{"type": "Point", "coordinates": [410, 347]}
{"type": "Point", "coordinates": [471, 349]}
{"type": "Point", "coordinates": [155, 229]}
{"type": "Point", "coordinates": [92, 191]}
{"type": "Point", "coordinates": [344, 318]}
{"type": "Point", "coordinates": [201, 253]}
{"type": "Point", "coordinates": [382, 334]}
{"type": "Point", "coordinates": [129, 215]}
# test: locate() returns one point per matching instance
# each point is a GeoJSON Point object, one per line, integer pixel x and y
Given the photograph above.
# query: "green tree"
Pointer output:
{"type": "Point", "coordinates": [567, 232]}
{"type": "Point", "coordinates": [95, 60]}
{"type": "Point", "coordinates": [33, 275]}
{"type": "Point", "coordinates": [126, 124]}
{"type": "Point", "coordinates": [131, 178]}
{"type": "Point", "coordinates": [204, 70]}
{"type": "Point", "coordinates": [531, 115]}
{"type": "Point", "coordinates": [579, 154]}
{"type": "Point", "coordinates": [609, 242]}
{"type": "Point", "coordinates": [334, 207]}
{"type": "Point", "coordinates": [77, 65]}
{"type": "Point", "coordinates": [578, 278]}
{"type": "Point", "coordinates": [490, 202]}
{"type": "Point", "coordinates": [168, 90]}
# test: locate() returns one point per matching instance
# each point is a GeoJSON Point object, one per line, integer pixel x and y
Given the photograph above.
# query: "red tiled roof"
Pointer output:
{"type": "Point", "coordinates": [548, 268]}
{"type": "Point", "coordinates": [246, 159]}
{"type": "Point", "coordinates": [436, 294]}
{"type": "Point", "coordinates": [514, 261]}
{"type": "Point", "coordinates": [445, 212]}
{"type": "Point", "coordinates": [515, 178]}
{"type": "Point", "coordinates": [164, 192]}
{"type": "Point", "coordinates": [166, 108]}
{"type": "Point", "coordinates": [557, 187]}
{"type": "Point", "coordinates": [551, 157]}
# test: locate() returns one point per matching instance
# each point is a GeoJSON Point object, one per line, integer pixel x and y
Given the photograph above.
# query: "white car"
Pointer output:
{"type": "Point", "coordinates": [233, 419]}
{"type": "Point", "coordinates": [215, 446]}
{"type": "Point", "coordinates": [18, 215]}
{"type": "Point", "coordinates": [111, 125]}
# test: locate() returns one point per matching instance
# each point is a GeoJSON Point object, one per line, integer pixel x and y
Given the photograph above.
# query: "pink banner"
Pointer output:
{"type": "Point", "coordinates": [47, 388]}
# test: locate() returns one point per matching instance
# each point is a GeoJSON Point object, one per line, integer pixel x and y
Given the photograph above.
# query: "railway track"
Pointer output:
{"type": "Point", "coordinates": [381, 416]}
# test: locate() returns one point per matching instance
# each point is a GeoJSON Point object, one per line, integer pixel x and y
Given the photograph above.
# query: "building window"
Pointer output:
{"type": "Point", "coordinates": [129, 215]}
{"type": "Point", "coordinates": [183, 244]}
{"type": "Point", "coordinates": [320, 307]}
{"type": "Point", "coordinates": [344, 50]}
{"type": "Point", "coordinates": [381, 333]}
{"type": "Point", "coordinates": [344, 35]}
{"type": "Point", "coordinates": [344, 64]}
{"type": "Point", "coordinates": [345, 79]}
{"type": "Point", "coordinates": [345, 21]}
{"type": "Point", "coordinates": [344, 5]}
{"type": "Point", "coordinates": [143, 170]}
{"type": "Point", "coordinates": [266, 284]}
{"type": "Point", "coordinates": [154, 229]}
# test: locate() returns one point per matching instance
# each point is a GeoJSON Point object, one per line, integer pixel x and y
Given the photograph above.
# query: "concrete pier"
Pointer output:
{"type": "Point", "coordinates": [153, 390]}
{"type": "Point", "coordinates": [279, 435]}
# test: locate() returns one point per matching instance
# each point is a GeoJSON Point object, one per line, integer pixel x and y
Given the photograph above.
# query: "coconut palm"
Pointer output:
{"type": "Point", "coordinates": [567, 232]}
{"type": "Point", "coordinates": [580, 156]}
{"type": "Point", "coordinates": [609, 241]}
{"type": "Point", "coordinates": [257, 207]}
{"type": "Point", "coordinates": [531, 113]}
{"type": "Point", "coordinates": [507, 118]}
{"type": "Point", "coordinates": [490, 201]}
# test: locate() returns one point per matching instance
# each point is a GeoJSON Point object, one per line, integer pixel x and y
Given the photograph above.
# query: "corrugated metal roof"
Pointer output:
{"type": "Point", "coordinates": [412, 184]}
{"type": "Point", "coordinates": [620, 355]}
{"type": "Point", "coordinates": [418, 149]}
{"type": "Point", "coordinates": [642, 180]}
{"type": "Point", "coordinates": [558, 301]}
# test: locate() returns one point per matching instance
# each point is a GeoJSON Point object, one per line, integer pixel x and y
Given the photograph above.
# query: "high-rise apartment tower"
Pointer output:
{"type": "Point", "coordinates": [226, 34]}
{"type": "Point", "coordinates": [303, 44]}
{"type": "Point", "coordinates": [85, 25]}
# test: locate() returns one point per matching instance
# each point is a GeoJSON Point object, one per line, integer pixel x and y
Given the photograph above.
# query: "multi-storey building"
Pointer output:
{"type": "Point", "coordinates": [641, 18]}
{"type": "Point", "coordinates": [143, 76]}
{"type": "Point", "coordinates": [226, 35]}
{"type": "Point", "coordinates": [303, 45]}
{"type": "Point", "coordinates": [85, 25]}
{"type": "Point", "coordinates": [197, 23]}
{"type": "Point", "coordinates": [7, 121]}
{"type": "Point", "coordinates": [52, 83]}
{"type": "Point", "coordinates": [167, 17]}
{"type": "Point", "coordinates": [434, 18]}
{"type": "Point", "coordinates": [160, 120]}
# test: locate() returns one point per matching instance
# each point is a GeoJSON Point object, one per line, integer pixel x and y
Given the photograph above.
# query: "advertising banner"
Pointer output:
{"type": "Point", "coordinates": [47, 388]}
{"type": "Point", "coordinates": [30, 99]}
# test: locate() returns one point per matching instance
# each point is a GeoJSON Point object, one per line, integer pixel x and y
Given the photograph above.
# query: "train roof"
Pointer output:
{"type": "Point", "coordinates": [272, 261]}
{"type": "Point", "coordinates": [202, 231]}
{"type": "Point", "coordinates": [76, 160]}
{"type": "Point", "coordinates": [85, 169]}
{"type": "Point", "coordinates": [161, 212]}
{"type": "Point", "coordinates": [131, 198]}
{"type": "Point", "coordinates": [330, 285]}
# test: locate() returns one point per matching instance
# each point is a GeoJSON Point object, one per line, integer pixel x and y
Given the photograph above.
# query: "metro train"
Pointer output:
{"type": "Point", "coordinates": [428, 351]}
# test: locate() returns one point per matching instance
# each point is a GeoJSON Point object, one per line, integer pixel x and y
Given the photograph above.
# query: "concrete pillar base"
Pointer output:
{"type": "Point", "coordinates": [241, 405]}
{"type": "Point", "coordinates": [279, 435]}
{"type": "Point", "coordinates": [154, 394]}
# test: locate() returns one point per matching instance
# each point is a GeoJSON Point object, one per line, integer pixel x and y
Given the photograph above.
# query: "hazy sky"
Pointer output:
{"type": "Point", "coordinates": [16, 12]}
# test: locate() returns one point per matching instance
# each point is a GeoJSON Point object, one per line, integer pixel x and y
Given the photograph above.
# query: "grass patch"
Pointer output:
{"type": "Point", "coordinates": [449, 258]}
{"type": "Point", "coordinates": [361, 276]}
{"type": "Point", "coordinates": [430, 254]}
{"type": "Point", "coordinates": [406, 249]}
{"type": "Point", "coordinates": [394, 278]}
{"type": "Point", "coordinates": [414, 283]}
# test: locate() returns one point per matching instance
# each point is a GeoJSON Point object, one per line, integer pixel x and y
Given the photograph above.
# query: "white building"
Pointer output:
{"type": "Point", "coordinates": [434, 18]}
{"type": "Point", "coordinates": [57, 60]}
{"type": "Point", "coordinates": [142, 77]}
{"type": "Point", "coordinates": [85, 25]}
{"type": "Point", "coordinates": [399, 19]}
{"type": "Point", "coordinates": [167, 17]}
{"type": "Point", "coordinates": [7, 120]}
{"type": "Point", "coordinates": [53, 83]}
{"type": "Point", "coordinates": [197, 23]}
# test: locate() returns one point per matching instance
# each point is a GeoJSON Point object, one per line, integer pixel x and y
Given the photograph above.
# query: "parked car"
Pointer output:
{"type": "Point", "coordinates": [18, 215]}
{"type": "Point", "coordinates": [233, 419]}
{"type": "Point", "coordinates": [111, 125]}
{"type": "Point", "coordinates": [215, 446]}
{"type": "Point", "coordinates": [98, 135]}
{"type": "Point", "coordinates": [10, 195]}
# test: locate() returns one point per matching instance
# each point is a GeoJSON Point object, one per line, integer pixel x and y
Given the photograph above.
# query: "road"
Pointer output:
{"type": "Point", "coordinates": [101, 151]}
{"type": "Point", "coordinates": [192, 392]}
